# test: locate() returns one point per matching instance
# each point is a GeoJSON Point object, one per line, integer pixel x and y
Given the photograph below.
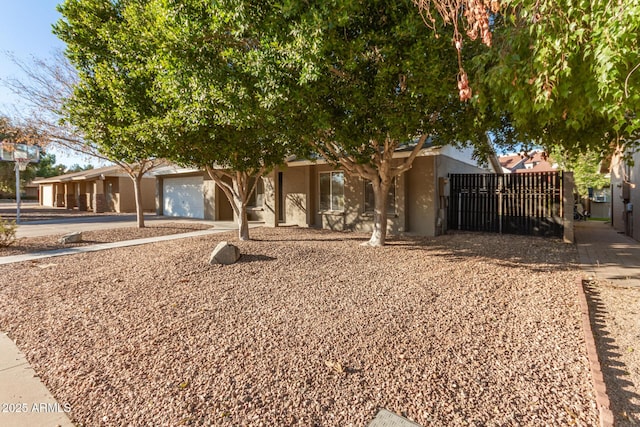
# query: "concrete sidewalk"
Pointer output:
{"type": "Point", "coordinates": [90, 223]}
{"type": "Point", "coordinates": [24, 398]}
{"type": "Point", "coordinates": [606, 254]}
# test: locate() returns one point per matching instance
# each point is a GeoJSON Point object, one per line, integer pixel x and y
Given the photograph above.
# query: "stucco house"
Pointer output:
{"type": "Point", "coordinates": [534, 161]}
{"type": "Point", "coordinates": [625, 193]}
{"type": "Point", "coordinates": [315, 194]}
{"type": "Point", "coordinates": [107, 189]}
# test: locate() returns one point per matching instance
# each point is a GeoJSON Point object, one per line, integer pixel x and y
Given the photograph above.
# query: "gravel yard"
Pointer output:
{"type": "Point", "coordinates": [615, 313]}
{"type": "Point", "coordinates": [48, 243]}
{"type": "Point", "coordinates": [309, 328]}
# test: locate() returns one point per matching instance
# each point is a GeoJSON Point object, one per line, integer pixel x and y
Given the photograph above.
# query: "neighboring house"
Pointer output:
{"type": "Point", "coordinates": [535, 161]}
{"type": "Point", "coordinates": [625, 194]}
{"type": "Point", "coordinates": [315, 194]}
{"type": "Point", "coordinates": [107, 189]}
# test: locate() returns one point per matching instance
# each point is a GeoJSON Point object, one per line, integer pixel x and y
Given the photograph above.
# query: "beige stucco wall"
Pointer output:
{"type": "Point", "coordinates": [623, 221]}
{"type": "Point", "coordinates": [294, 190]}
{"type": "Point", "coordinates": [354, 216]}
{"type": "Point", "coordinates": [269, 212]}
{"type": "Point", "coordinates": [209, 194]}
{"type": "Point", "coordinates": [422, 201]}
{"type": "Point", "coordinates": [297, 194]}
{"type": "Point", "coordinates": [125, 200]}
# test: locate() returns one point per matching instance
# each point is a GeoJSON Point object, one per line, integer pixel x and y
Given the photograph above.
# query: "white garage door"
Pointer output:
{"type": "Point", "coordinates": [47, 195]}
{"type": "Point", "coordinates": [183, 197]}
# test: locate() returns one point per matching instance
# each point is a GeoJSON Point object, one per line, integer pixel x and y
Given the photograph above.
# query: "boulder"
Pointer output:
{"type": "Point", "coordinates": [71, 238]}
{"type": "Point", "coordinates": [225, 253]}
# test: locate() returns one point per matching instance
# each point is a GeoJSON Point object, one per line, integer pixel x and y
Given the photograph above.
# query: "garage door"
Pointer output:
{"type": "Point", "coordinates": [183, 197]}
{"type": "Point", "coordinates": [47, 195]}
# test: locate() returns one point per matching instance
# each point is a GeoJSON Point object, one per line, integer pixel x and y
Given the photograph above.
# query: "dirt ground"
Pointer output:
{"type": "Point", "coordinates": [309, 328]}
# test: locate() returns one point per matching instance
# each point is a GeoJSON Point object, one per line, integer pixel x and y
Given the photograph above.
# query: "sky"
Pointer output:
{"type": "Point", "coordinates": [26, 32]}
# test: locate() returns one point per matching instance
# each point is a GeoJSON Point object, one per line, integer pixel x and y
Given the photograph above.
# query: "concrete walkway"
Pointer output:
{"type": "Point", "coordinates": [606, 254]}
{"type": "Point", "coordinates": [104, 246]}
{"type": "Point", "coordinates": [24, 399]}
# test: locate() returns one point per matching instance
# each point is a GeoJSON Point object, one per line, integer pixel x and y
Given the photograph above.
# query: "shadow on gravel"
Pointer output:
{"type": "Point", "coordinates": [246, 258]}
{"type": "Point", "coordinates": [537, 254]}
{"type": "Point", "coordinates": [616, 377]}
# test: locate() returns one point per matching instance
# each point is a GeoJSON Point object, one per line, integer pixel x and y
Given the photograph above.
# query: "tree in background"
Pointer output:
{"type": "Point", "coordinates": [47, 166]}
{"type": "Point", "coordinates": [585, 167]}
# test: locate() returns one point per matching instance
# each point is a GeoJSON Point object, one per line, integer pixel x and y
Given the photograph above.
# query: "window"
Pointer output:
{"type": "Point", "coordinates": [256, 198]}
{"type": "Point", "coordinates": [332, 191]}
{"type": "Point", "coordinates": [370, 201]}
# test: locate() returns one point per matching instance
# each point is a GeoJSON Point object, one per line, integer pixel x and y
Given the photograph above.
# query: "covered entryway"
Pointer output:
{"type": "Point", "coordinates": [183, 197]}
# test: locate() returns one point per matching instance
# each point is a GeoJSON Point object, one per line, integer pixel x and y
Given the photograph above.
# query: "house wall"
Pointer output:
{"type": "Point", "coordinates": [269, 212]}
{"type": "Point", "coordinates": [422, 201]}
{"type": "Point", "coordinates": [127, 199]}
{"type": "Point", "coordinates": [623, 175]}
{"type": "Point", "coordinates": [617, 172]}
{"type": "Point", "coordinates": [257, 213]}
{"type": "Point", "coordinates": [210, 198]}
{"type": "Point", "coordinates": [354, 217]}
{"type": "Point", "coordinates": [427, 192]}
{"type": "Point", "coordinates": [111, 193]}
{"type": "Point", "coordinates": [295, 186]}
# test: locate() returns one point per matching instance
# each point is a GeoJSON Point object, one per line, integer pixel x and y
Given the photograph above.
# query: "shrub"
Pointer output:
{"type": "Point", "coordinates": [7, 232]}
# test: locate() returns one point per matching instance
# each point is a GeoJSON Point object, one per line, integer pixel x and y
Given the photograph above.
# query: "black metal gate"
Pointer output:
{"type": "Point", "coordinates": [522, 203]}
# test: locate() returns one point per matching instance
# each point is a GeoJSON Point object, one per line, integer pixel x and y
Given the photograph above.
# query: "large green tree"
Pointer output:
{"type": "Point", "coordinates": [374, 79]}
{"type": "Point", "coordinates": [224, 89]}
{"type": "Point", "coordinates": [112, 103]}
{"type": "Point", "coordinates": [565, 72]}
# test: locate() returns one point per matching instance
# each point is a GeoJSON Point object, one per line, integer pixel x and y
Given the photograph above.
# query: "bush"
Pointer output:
{"type": "Point", "coordinates": [7, 233]}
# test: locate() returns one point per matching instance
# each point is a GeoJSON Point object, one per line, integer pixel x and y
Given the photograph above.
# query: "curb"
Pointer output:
{"type": "Point", "coordinates": [602, 399]}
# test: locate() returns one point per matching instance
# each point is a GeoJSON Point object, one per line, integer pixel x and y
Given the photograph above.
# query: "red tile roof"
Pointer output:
{"type": "Point", "coordinates": [537, 161]}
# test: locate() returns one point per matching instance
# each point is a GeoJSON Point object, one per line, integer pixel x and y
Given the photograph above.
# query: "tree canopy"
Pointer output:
{"type": "Point", "coordinates": [372, 78]}
{"type": "Point", "coordinates": [565, 73]}
{"type": "Point", "coordinates": [112, 104]}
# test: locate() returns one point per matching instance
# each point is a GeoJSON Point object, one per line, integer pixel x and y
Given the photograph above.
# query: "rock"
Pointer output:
{"type": "Point", "coordinates": [225, 253]}
{"type": "Point", "coordinates": [71, 238]}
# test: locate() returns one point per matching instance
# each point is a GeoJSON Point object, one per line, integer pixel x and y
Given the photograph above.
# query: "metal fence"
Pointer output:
{"type": "Point", "coordinates": [523, 203]}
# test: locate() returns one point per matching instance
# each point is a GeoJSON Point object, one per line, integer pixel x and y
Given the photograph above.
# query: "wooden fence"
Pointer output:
{"type": "Point", "coordinates": [523, 203]}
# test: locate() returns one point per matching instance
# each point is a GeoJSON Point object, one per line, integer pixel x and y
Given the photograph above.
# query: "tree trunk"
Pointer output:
{"type": "Point", "coordinates": [243, 222]}
{"type": "Point", "coordinates": [380, 194]}
{"type": "Point", "coordinates": [238, 193]}
{"type": "Point", "coordinates": [137, 191]}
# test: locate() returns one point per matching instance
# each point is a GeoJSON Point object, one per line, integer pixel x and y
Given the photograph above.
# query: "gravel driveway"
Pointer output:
{"type": "Point", "coordinates": [308, 329]}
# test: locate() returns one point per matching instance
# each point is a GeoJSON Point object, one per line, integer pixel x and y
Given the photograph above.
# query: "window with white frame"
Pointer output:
{"type": "Point", "coordinates": [370, 201]}
{"type": "Point", "coordinates": [256, 198]}
{"type": "Point", "coordinates": [332, 191]}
